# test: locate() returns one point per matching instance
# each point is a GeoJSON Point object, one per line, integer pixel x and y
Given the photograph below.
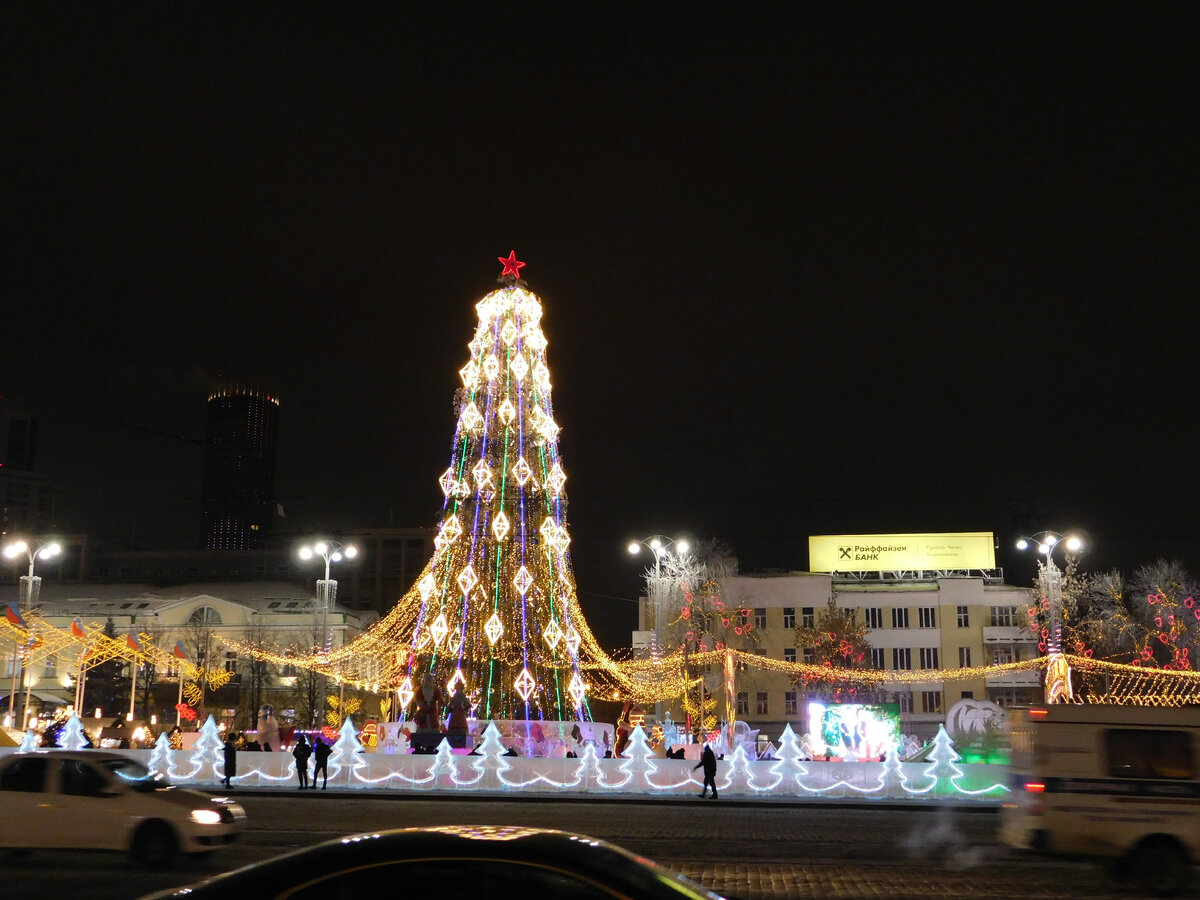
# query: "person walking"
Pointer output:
{"type": "Point", "coordinates": [302, 752]}
{"type": "Point", "coordinates": [321, 753]}
{"type": "Point", "coordinates": [708, 760]}
{"type": "Point", "coordinates": [230, 757]}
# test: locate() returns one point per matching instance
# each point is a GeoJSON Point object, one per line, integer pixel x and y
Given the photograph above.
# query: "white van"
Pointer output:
{"type": "Point", "coordinates": [1115, 782]}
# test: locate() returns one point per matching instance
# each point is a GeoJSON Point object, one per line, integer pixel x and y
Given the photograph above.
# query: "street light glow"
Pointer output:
{"type": "Point", "coordinates": [12, 550]}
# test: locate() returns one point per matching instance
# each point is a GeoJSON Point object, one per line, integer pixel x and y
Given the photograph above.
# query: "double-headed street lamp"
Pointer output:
{"type": "Point", "coordinates": [1058, 673]}
{"type": "Point", "coordinates": [30, 589]}
{"type": "Point", "coordinates": [663, 548]}
{"type": "Point", "coordinates": [331, 552]}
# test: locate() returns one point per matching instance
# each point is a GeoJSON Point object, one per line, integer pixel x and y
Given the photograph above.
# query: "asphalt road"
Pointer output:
{"type": "Point", "coordinates": [747, 850]}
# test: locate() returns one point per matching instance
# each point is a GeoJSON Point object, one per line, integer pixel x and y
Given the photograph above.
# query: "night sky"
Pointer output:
{"type": "Point", "coordinates": [893, 269]}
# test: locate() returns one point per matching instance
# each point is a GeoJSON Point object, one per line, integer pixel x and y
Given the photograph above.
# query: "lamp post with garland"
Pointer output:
{"type": "Point", "coordinates": [1058, 672]}
{"type": "Point", "coordinates": [30, 589]}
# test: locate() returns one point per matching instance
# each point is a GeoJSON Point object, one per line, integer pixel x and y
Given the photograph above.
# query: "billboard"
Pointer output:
{"type": "Point", "coordinates": [884, 552]}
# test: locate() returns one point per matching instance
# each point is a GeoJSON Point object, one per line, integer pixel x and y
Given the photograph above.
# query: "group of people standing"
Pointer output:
{"type": "Point", "coordinates": [302, 751]}
{"type": "Point", "coordinates": [319, 751]}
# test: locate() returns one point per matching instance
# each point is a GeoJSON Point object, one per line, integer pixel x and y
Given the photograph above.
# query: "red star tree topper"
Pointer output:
{"type": "Point", "coordinates": [512, 266]}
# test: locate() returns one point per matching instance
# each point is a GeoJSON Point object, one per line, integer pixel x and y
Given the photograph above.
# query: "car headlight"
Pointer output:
{"type": "Point", "coordinates": [206, 816]}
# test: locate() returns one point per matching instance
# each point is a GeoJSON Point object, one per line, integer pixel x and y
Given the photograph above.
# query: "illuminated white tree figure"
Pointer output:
{"type": "Point", "coordinates": [72, 737]}
{"type": "Point", "coordinates": [788, 767]}
{"type": "Point", "coordinates": [942, 766]}
{"type": "Point", "coordinates": [640, 762]}
{"type": "Point", "coordinates": [491, 761]}
{"type": "Point", "coordinates": [347, 751]}
{"type": "Point", "coordinates": [30, 741]}
{"type": "Point", "coordinates": [444, 768]}
{"type": "Point", "coordinates": [207, 750]}
{"type": "Point", "coordinates": [589, 770]}
{"type": "Point", "coordinates": [496, 605]}
{"type": "Point", "coordinates": [892, 779]}
{"type": "Point", "coordinates": [161, 760]}
{"type": "Point", "coordinates": [738, 777]}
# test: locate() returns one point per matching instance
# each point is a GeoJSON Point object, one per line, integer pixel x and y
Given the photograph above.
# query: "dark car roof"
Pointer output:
{"type": "Point", "coordinates": [574, 852]}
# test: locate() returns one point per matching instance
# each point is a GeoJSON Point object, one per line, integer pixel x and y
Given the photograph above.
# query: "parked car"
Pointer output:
{"type": "Point", "coordinates": [452, 863]}
{"type": "Point", "coordinates": [96, 800]}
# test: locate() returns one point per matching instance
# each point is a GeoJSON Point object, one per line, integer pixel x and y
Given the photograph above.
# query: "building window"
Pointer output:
{"type": "Point", "coordinates": [901, 658]}
{"type": "Point", "coordinates": [874, 615]}
{"type": "Point", "coordinates": [927, 616]}
{"type": "Point", "coordinates": [760, 617]}
{"type": "Point", "coordinates": [789, 654]}
{"type": "Point", "coordinates": [929, 658]}
{"type": "Point", "coordinates": [931, 701]}
{"type": "Point", "coordinates": [900, 617]}
{"type": "Point", "coordinates": [1001, 656]}
{"type": "Point", "coordinates": [1002, 616]}
{"type": "Point", "coordinates": [968, 695]}
{"type": "Point", "coordinates": [289, 671]}
{"type": "Point", "coordinates": [877, 660]}
{"type": "Point", "coordinates": [789, 703]}
{"type": "Point", "coordinates": [743, 703]}
{"type": "Point", "coordinates": [964, 618]}
{"type": "Point", "coordinates": [231, 661]}
{"type": "Point", "coordinates": [760, 703]}
{"type": "Point", "coordinates": [964, 657]}
{"type": "Point", "coordinates": [906, 704]}
{"type": "Point", "coordinates": [789, 617]}
{"type": "Point", "coordinates": [51, 666]}
{"type": "Point", "coordinates": [809, 655]}
{"type": "Point", "coordinates": [807, 618]}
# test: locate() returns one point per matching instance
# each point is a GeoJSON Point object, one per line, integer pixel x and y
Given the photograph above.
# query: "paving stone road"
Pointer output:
{"type": "Point", "coordinates": [745, 850]}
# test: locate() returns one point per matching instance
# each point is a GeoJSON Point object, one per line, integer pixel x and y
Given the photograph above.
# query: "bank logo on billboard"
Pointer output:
{"type": "Point", "coordinates": [908, 552]}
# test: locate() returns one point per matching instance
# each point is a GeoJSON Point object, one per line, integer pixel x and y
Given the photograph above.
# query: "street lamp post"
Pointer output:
{"type": "Point", "coordinates": [662, 548]}
{"type": "Point", "coordinates": [30, 590]}
{"type": "Point", "coordinates": [331, 552]}
{"type": "Point", "coordinates": [1058, 672]}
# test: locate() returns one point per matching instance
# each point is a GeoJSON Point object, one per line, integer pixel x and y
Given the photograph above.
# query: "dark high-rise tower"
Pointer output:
{"type": "Point", "coordinates": [26, 495]}
{"type": "Point", "coordinates": [239, 469]}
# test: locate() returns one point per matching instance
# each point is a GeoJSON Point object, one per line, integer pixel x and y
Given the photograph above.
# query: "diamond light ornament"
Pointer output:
{"type": "Point", "coordinates": [519, 367]}
{"type": "Point", "coordinates": [553, 634]}
{"type": "Point", "coordinates": [549, 531]}
{"type": "Point", "coordinates": [508, 333]}
{"type": "Point", "coordinates": [448, 532]}
{"type": "Point", "coordinates": [455, 679]}
{"type": "Point", "coordinates": [507, 412]}
{"type": "Point", "coordinates": [522, 580]}
{"type": "Point", "coordinates": [486, 308]}
{"type": "Point", "coordinates": [491, 367]}
{"type": "Point", "coordinates": [448, 482]}
{"type": "Point", "coordinates": [573, 640]}
{"type": "Point", "coordinates": [470, 417]}
{"type": "Point", "coordinates": [427, 586]}
{"type": "Point", "coordinates": [467, 579]}
{"type": "Point", "coordinates": [493, 629]}
{"type": "Point", "coordinates": [483, 474]}
{"type": "Point", "coordinates": [549, 429]}
{"type": "Point", "coordinates": [535, 340]}
{"type": "Point", "coordinates": [521, 471]}
{"type": "Point", "coordinates": [470, 376]}
{"type": "Point", "coordinates": [557, 478]}
{"type": "Point", "coordinates": [525, 684]}
{"type": "Point", "coordinates": [542, 375]}
{"type": "Point", "coordinates": [438, 629]}
{"type": "Point", "coordinates": [455, 643]}
{"type": "Point", "coordinates": [406, 692]}
{"type": "Point", "coordinates": [500, 526]}
{"type": "Point", "coordinates": [577, 689]}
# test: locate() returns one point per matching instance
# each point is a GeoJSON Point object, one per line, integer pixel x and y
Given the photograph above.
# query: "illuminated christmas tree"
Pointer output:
{"type": "Point", "coordinates": [495, 610]}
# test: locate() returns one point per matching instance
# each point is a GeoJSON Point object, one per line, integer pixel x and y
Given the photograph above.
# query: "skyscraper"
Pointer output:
{"type": "Point", "coordinates": [26, 495]}
{"type": "Point", "coordinates": [239, 469]}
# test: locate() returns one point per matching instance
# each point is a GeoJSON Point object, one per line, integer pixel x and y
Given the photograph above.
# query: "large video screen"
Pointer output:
{"type": "Point", "coordinates": [862, 731]}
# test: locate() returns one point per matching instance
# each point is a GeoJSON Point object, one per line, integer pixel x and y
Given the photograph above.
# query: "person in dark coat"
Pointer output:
{"type": "Point", "coordinates": [321, 753]}
{"type": "Point", "coordinates": [230, 757]}
{"type": "Point", "coordinates": [302, 752]}
{"type": "Point", "coordinates": [708, 760]}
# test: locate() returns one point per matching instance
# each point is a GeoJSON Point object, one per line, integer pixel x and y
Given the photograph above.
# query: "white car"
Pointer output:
{"type": "Point", "coordinates": [95, 800]}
